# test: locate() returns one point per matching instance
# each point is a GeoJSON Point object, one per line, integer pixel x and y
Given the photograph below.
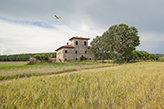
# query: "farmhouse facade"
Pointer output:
{"type": "Point", "coordinates": [78, 47]}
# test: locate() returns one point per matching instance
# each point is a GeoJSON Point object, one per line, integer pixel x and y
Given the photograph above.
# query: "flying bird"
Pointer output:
{"type": "Point", "coordinates": [57, 17]}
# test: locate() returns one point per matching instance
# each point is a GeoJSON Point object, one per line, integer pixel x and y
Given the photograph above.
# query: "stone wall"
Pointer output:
{"type": "Point", "coordinates": [70, 55]}
{"type": "Point", "coordinates": [60, 55]}
{"type": "Point", "coordinates": [34, 60]}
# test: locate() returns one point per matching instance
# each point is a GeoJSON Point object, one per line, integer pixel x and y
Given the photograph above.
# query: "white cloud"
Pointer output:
{"type": "Point", "coordinates": [28, 39]}
{"type": "Point", "coordinates": [21, 32]}
{"type": "Point", "coordinates": [5, 51]}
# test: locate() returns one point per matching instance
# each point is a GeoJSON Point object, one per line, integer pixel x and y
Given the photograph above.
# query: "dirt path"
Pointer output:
{"type": "Point", "coordinates": [67, 73]}
{"type": "Point", "coordinates": [61, 74]}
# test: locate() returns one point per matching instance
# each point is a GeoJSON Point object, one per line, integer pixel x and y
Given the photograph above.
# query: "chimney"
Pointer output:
{"type": "Point", "coordinates": [67, 43]}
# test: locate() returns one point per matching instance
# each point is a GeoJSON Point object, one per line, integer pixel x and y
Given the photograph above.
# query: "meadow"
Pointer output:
{"type": "Point", "coordinates": [133, 86]}
{"type": "Point", "coordinates": [12, 70]}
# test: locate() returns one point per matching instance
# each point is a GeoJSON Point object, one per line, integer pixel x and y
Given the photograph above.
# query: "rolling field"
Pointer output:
{"type": "Point", "coordinates": [12, 70]}
{"type": "Point", "coordinates": [133, 86]}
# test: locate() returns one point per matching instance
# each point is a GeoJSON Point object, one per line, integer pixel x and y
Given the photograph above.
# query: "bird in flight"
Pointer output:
{"type": "Point", "coordinates": [57, 17]}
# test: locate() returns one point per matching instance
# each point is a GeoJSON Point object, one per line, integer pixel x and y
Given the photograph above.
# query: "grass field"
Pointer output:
{"type": "Point", "coordinates": [133, 86]}
{"type": "Point", "coordinates": [11, 70]}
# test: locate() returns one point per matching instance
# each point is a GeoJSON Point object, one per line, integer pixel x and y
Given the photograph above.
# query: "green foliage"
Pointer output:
{"type": "Point", "coordinates": [37, 56]}
{"type": "Point", "coordinates": [3, 58]}
{"type": "Point", "coordinates": [99, 48]}
{"type": "Point", "coordinates": [161, 59]}
{"type": "Point", "coordinates": [44, 56]}
{"type": "Point", "coordinates": [156, 57]}
{"type": "Point", "coordinates": [41, 57]}
{"type": "Point", "coordinates": [82, 58]}
{"type": "Point", "coordinates": [118, 60]}
{"type": "Point", "coordinates": [23, 57]}
{"type": "Point", "coordinates": [121, 40]}
{"type": "Point", "coordinates": [143, 55]}
{"type": "Point", "coordinates": [117, 42]}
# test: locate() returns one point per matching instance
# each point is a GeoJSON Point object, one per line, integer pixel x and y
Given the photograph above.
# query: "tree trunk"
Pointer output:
{"type": "Point", "coordinates": [102, 59]}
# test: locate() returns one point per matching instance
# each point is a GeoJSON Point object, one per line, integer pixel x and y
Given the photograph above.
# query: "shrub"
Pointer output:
{"type": "Point", "coordinates": [45, 56]}
{"type": "Point", "coordinates": [37, 56]}
{"type": "Point", "coordinates": [82, 58]}
{"type": "Point", "coordinates": [156, 58]}
{"type": "Point", "coordinates": [119, 60]}
{"type": "Point", "coordinates": [161, 59]}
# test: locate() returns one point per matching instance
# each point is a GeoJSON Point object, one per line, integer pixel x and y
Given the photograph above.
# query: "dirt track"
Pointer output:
{"type": "Point", "coordinates": [61, 74]}
{"type": "Point", "coordinates": [82, 71]}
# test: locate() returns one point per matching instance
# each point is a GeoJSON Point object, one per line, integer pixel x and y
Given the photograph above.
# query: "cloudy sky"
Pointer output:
{"type": "Point", "coordinates": [29, 26]}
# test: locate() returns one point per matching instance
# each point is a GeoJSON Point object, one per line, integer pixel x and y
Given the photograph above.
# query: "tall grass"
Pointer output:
{"type": "Point", "coordinates": [134, 86]}
{"type": "Point", "coordinates": [11, 71]}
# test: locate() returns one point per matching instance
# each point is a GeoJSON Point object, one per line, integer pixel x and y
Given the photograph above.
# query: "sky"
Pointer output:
{"type": "Point", "coordinates": [29, 26]}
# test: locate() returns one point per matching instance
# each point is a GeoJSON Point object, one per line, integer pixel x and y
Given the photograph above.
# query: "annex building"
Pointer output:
{"type": "Point", "coordinates": [73, 52]}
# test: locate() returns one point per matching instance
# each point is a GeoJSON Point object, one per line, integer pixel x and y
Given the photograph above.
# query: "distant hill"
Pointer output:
{"type": "Point", "coordinates": [22, 57]}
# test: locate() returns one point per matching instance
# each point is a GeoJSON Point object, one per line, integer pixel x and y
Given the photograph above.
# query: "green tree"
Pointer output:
{"type": "Point", "coordinates": [122, 40]}
{"type": "Point", "coordinates": [118, 41]}
{"type": "Point", "coordinates": [98, 48]}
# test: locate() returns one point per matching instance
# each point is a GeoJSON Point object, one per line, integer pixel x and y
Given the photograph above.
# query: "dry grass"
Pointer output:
{"type": "Point", "coordinates": [134, 86]}
{"type": "Point", "coordinates": [10, 71]}
{"type": "Point", "coordinates": [21, 62]}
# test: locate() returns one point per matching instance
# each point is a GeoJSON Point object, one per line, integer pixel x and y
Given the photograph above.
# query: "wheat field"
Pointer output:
{"type": "Point", "coordinates": [133, 86]}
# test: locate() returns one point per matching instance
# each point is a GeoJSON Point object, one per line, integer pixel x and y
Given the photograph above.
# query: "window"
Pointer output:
{"type": "Point", "coordinates": [89, 58]}
{"type": "Point", "coordinates": [65, 51]}
{"type": "Point", "coordinates": [85, 43]}
{"type": "Point", "coordinates": [76, 52]}
{"type": "Point", "coordinates": [85, 52]}
{"type": "Point", "coordinates": [76, 59]}
{"type": "Point", "coordinates": [85, 58]}
{"type": "Point", "coordinates": [76, 42]}
{"type": "Point", "coordinates": [65, 60]}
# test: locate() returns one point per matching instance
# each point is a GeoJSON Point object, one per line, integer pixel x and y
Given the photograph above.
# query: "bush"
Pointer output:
{"type": "Point", "coordinates": [82, 58]}
{"type": "Point", "coordinates": [161, 59]}
{"type": "Point", "coordinates": [45, 56]}
{"type": "Point", "coordinates": [156, 58]}
{"type": "Point", "coordinates": [38, 57]}
{"type": "Point", "coordinates": [119, 60]}
{"type": "Point", "coordinates": [143, 55]}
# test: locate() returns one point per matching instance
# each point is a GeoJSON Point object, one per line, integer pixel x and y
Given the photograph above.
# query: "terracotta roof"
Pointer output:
{"type": "Point", "coordinates": [79, 38]}
{"type": "Point", "coordinates": [65, 46]}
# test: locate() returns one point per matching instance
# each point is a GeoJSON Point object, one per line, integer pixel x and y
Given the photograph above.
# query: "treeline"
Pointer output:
{"type": "Point", "coordinates": [23, 57]}
{"type": "Point", "coordinates": [143, 55]}
{"type": "Point", "coordinates": [140, 56]}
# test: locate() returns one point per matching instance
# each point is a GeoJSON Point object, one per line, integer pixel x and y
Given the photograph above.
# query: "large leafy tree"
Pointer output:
{"type": "Point", "coordinates": [98, 48]}
{"type": "Point", "coordinates": [119, 40]}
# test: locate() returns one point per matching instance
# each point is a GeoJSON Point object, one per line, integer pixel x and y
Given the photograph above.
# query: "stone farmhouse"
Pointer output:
{"type": "Point", "coordinates": [73, 52]}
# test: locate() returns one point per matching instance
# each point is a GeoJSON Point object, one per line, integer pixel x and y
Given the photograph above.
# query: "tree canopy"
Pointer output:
{"type": "Point", "coordinates": [118, 42]}
{"type": "Point", "coordinates": [98, 48]}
